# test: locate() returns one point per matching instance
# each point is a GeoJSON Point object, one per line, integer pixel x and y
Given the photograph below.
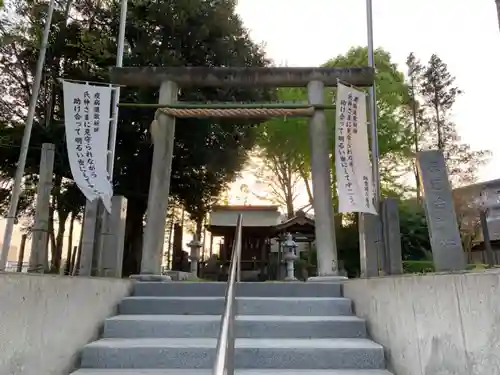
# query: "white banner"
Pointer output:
{"type": "Point", "coordinates": [87, 120]}
{"type": "Point", "coordinates": [352, 158]}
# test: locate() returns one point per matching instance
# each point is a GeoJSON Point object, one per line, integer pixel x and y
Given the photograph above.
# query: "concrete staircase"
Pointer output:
{"type": "Point", "coordinates": [282, 329]}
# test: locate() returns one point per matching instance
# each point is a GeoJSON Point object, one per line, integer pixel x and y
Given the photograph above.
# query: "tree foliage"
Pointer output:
{"type": "Point", "coordinates": [435, 95]}
{"type": "Point", "coordinates": [282, 155]}
{"type": "Point", "coordinates": [82, 46]}
{"type": "Point", "coordinates": [394, 131]}
{"type": "Point", "coordinates": [284, 146]}
{"type": "Point", "coordinates": [413, 115]}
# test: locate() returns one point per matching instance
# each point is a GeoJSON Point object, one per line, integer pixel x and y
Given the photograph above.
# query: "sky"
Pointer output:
{"type": "Point", "coordinates": [464, 33]}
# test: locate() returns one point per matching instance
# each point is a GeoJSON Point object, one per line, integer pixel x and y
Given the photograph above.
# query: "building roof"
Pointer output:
{"type": "Point", "coordinates": [244, 208]}
{"type": "Point", "coordinates": [299, 223]}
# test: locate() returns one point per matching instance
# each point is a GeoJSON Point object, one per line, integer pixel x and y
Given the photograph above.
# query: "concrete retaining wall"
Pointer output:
{"type": "Point", "coordinates": [433, 324]}
{"type": "Point", "coordinates": [46, 320]}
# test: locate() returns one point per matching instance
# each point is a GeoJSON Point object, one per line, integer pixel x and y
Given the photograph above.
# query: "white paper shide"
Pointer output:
{"type": "Point", "coordinates": [87, 119]}
{"type": "Point", "coordinates": [352, 158]}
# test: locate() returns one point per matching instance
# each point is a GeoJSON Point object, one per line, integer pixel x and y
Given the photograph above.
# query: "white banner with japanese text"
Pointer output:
{"type": "Point", "coordinates": [87, 120]}
{"type": "Point", "coordinates": [352, 158]}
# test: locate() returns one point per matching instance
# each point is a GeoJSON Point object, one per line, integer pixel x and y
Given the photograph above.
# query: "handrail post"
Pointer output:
{"type": "Point", "coordinates": [239, 225]}
{"type": "Point", "coordinates": [230, 345]}
{"type": "Point", "coordinates": [224, 358]}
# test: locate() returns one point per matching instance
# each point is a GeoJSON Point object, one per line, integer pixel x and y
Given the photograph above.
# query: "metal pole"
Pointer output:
{"type": "Point", "coordinates": [102, 219]}
{"type": "Point", "coordinates": [373, 108]}
{"type": "Point", "coordinates": [497, 2]}
{"type": "Point", "coordinates": [16, 190]}
{"type": "Point", "coordinates": [116, 96]}
{"type": "Point", "coordinates": [370, 226]}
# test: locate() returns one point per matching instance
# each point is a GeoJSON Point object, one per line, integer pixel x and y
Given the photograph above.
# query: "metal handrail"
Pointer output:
{"type": "Point", "coordinates": [224, 358]}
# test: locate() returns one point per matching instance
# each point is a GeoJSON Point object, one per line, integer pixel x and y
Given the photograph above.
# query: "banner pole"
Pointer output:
{"type": "Point", "coordinates": [371, 242]}
{"type": "Point", "coordinates": [116, 96]}
{"type": "Point", "coordinates": [373, 109]}
{"type": "Point", "coordinates": [16, 189]}
{"type": "Point", "coordinates": [103, 218]}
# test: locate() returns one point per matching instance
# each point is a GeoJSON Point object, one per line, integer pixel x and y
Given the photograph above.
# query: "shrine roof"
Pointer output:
{"type": "Point", "coordinates": [299, 223]}
{"type": "Point", "coordinates": [245, 208]}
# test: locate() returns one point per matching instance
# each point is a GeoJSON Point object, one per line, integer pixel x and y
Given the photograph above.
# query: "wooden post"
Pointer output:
{"type": "Point", "coordinates": [392, 236]}
{"type": "Point", "coordinates": [20, 256]}
{"type": "Point", "coordinates": [39, 249]}
{"type": "Point", "coordinates": [88, 238]}
{"type": "Point", "coordinates": [369, 255]}
{"type": "Point", "coordinates": [76, 267]}
{"type": "Point", "coordinates": [72, 264]}
{"type": "Point", "coordinates": [113, 238]}
{"type": "Point", "coordinates": [163, 131]}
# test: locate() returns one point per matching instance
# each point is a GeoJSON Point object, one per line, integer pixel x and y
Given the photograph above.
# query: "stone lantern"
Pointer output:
{"type": "Point", "coordinates": [289, 250]}
{"type": "Point", "coordinates": [194, 256]}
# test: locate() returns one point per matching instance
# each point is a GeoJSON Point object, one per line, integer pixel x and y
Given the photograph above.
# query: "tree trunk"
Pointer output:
{"type": "Point", "coordinates": [59, 240]}
{"type": "Point", "coordinates": [290, 209]}
{"type": "Point", "coordinates": [170, 242]}
{"type": "Point", "coordinates": [132, 254]}
{"type": "Point", "coordinates": [438, 122]}
{"type": "Point", "coordinates": [204, 242]}
{"type": "Point", "coordinates": [76, 264]}
{"type": "Point", "coordinates": [416, 134]}
{"type": "Point", "coordinates": [199, 228]}
{"type": "Point", "coordinates": [305, 177]}
{"type": "Point", "coordinates": [70, 244]}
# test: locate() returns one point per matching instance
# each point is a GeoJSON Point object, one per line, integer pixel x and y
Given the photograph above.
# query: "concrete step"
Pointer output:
{"type": "Point", "coordinates": [237, 372]}
{"type": "Point", "coordinates": [317, 306]}
{"type": "Point", "coordinates": [250, 353]}
{"type": "Point", "coordinates": [247, 326]}
{"type": "Point", "coordinates": [218, 289]}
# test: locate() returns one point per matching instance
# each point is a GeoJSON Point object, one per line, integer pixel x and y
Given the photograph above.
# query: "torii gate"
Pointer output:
{"type": "Point", "coordinates": [169, 80]}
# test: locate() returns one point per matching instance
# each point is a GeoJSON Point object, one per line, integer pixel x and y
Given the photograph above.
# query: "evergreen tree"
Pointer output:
{"type": "Point", "coordinates": [415, 69]}
{"type": "Point", "coordinates": [439, 93]}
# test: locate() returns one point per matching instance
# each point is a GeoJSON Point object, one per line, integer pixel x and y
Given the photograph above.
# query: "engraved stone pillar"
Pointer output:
{"type": "Point", "coordinates": [446, 244]}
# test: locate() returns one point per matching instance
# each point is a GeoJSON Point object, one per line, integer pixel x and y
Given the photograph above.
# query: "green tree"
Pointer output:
{"type": "Point", "coordinates": [439, 93]}
{"type": "Point", "coordinates": [415, 239]}
{"type": "Point", "coordinates": [419, 124]}
{"type": "Point", "coordinates": [394, 131]}
{"type": "Point", "coordinates": [281, 159]}
{"type": "Point", "coordinates": [284, 147]}
{"type": "Point", "coordinates": [207, 153]}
